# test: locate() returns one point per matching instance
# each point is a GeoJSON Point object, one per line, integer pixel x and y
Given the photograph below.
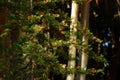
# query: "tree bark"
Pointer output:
{"type": "Point", "coordinates": [85, 26]}
{"type": "Point", "coordinates": [73, 30]}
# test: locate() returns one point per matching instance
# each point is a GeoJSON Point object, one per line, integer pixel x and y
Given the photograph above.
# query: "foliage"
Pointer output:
{"type": "Point", "coordinates": [41, 47]}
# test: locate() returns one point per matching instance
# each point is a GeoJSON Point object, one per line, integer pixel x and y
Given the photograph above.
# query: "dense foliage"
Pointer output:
{"type": "Point", "coordinates": [38, 41]}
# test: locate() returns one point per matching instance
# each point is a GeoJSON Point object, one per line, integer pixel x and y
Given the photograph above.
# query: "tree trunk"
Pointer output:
{"type": "Point", "coordinates": [118, 2]}
{"type": "Point", "coordinates": [73, 30]}
{"type": "Point", "coordinates": [84, 25]}
{"type": "Point", "coordinates": [31, 4]}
